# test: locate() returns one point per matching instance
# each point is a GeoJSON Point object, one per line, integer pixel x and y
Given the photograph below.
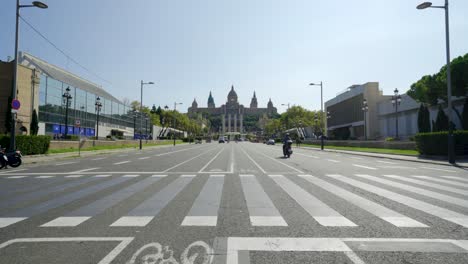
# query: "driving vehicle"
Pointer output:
{"type": "Point", "coordinates": [270, 142]}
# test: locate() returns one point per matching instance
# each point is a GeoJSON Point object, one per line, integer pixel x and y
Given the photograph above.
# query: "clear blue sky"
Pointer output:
{"type": "Point", "coordinates": [273, 47]}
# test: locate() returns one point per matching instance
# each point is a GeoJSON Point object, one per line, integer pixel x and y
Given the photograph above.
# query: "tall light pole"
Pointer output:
{"type": "Point", "coordinates": [396, 100]}
{"type": "Point", "coordinates": [146, 129]}
{"type": "Point", "coordinates": [174, 119]}
{"type": "Point", "coordinates": [15, 66]}
{"type": "Point", "coordinates": [141, 109]}
{"type": "Point", "coordinates": [66, 100]}
{"type": "Point", "coordinates": [451, 143]}
{"type": "Point", "coordinates": [365, 109]}
{"type": "Point", "coordinates": [286, 105]}
{"type": "Point", "coordinates": [321, 109]}
{"type": "Point", "coordinates": [97, 107]}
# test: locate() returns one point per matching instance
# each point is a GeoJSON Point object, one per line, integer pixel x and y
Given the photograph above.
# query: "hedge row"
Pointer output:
{"type": "Point", "coordinates": [436, 143]}
{"type": "Point", "coordinates": [28, 145]}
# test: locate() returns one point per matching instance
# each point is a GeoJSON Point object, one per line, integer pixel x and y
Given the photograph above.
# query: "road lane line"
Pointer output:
{"type": "Point", "coordinates": [131, 175]}
{"type": "Point", "coordinates": [159, 175]}
{"type": "Point", "coordinates": [364, 167]}
{"type": "Point", "coordinates": [455, 178]}
{"type": "Point", "coordinates": [232, 161]}
{"type": "Point", "coordinates": [183, 162]}
{"type": "Point", "coordinates": [443, 181]}
{"type": "Point", "coordinates": [88, 211]}
{"type": "Point", "coordinates": [74, 176]}
{"type": "Point", "coordinates": [291, 167]}
{"type": "Point", "coordinates": [376, 209]}
{"type": "Point", "coordinates": [16, 177]}
{"type": "Point", "coordinates": [332, 160]}
{"type": "Point", "coordinates": [66, 163]}
{"type": "Point", "coordinates": [10, 171]}
{"type": "Point", "coordinates": [44, 177]}
{"type": "Point", "coordinates": [100, 158]}
{"type": "Point", "coordinates": [254, 162]}
{"type": "Point", "coordinates": [204, 211]}
{"type": "Point", "coordinates": [321, 212]}
{"type": "Point", "coordinates": [429, 184]}
{"type": "Point", "coordinates": [80, 171]}
{"type": "Point", "coordinates": [420, 191]}
{"type": "Point", "coordinates": [143, 158]}
{"type": "Point", "coordinates": [262, 211]}
{"type": "Point", "coordinates": [428, 208]}
{"type": "Point", "coordinates": [437, 169]}
{"type": "Point", "coordinates": [150, 208]}
{"type": "Point", "coordinates": [211, 160]}
{"type": "Point", "coordinates": [176, 151]}
{"type": "Point", "coordinates": [385, 162]}
{"type": "Point", "coordinates": [122, 162]}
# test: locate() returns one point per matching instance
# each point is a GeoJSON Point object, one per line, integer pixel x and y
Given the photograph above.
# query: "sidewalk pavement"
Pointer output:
{"type": "Point", "coordinates": [461, 162]}
{"type": "Point", "coordinates": [34, 159]}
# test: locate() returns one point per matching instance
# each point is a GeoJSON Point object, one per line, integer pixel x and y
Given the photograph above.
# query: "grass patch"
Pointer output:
{"type": "Point", "coordinates": [111, 147]}
{"type": "Point", "coordinates": [371, 150]}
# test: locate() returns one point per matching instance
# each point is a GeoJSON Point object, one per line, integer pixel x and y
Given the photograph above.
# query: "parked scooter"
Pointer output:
{"type": "Point", "coordinates": [287, 148]}
{"type": "Point", "coordinates": [12, 158]}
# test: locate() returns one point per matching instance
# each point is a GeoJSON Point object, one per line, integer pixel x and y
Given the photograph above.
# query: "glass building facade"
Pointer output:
{"type": "Point", "coordinates": [52, 110]}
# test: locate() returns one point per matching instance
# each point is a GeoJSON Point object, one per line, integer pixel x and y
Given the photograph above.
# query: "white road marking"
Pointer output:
{"type": "Point", "coordinates": [437, 169]}
{"type": "Point", "coordinates": [66, 163]}
{"type": "Point", "coordinates": [159, 175]}
{"type": "Point", "coordinates": [44, 177]}
{"type": "Point", "coordinates": [291, 167]}
{"type": "Point", "coordinates": [100, 158]}
{"type": "Point", "coordinates": [459, 184]}
{"type": "Point", "coordinates": [232, 161]}
{"type": "Point", "coordinates": [6, 221]}
{"type": "Point", "coordinates": [254, 162]}
{"type": "Point", "coordinates": [11, 171]}
{"type": "Point", "coordinates": [321, 212]}
{"type": "Point", "coordinates": [133, 221]}
{"type": "Point", "coordinates": [428, 208]}
{"type": "Point", "coordinates": [420, 191]}
{"type": "Point", "coordinates": [187, 175]}
{"type": "Point", "coordinates": [183, 162]}
{"type": "Point", "coordinates": [17, 177]}
{"type": "Point", "coordinates": [143, 158]}
{"type": "Point", "coordinates": [455, 178]}
{"type": "Point", "coordinates": [122, 162]}
{"type": "Point", "coordinates": [80, 171]}
{"type": "Point", "coordinates": [310, 156]}
{"type": "Point", "coordinates": [74, 176]}
{"type": "Point", "coordinates": [167, 153]}
{"type": "Point", "coordinates": [364, 167]}
{"type": "Point", "coordinates": [131, 175]}
{"type": "Point", "coordinates": [357, 158]}
{"type": "Point", "coordinates": [385, 162]}
{"type": "Point", "coordinates": [429, 184]}
{"type": "Point", "coordinates": [376, 209]}
{"type": "Point", "coordinates": [200, 221]}
{"type": "Point", "coordinates": [124, 241]}
{"type": "Point", "coordinates": [211, 160]}
{"type": "Point", "coordinates": [66, 221]}
{"type": "Point", "coordinates": [332, 160]}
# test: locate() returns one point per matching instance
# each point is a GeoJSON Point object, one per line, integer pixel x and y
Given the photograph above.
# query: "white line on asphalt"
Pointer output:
{"type": "Point", "coordinates": [364, 167]}
{"type": "Point", "coordinates": [250, 158]}
{"type": "Point", "coordinates": [187, 175]}
{"type": "Point", "coordinates": [80, 171]}
{"type": "Point", "coordinates": [433, 185]}
{"type": "Point", "coordinates": [437, 169]}
{"type": "Point", "coordinates": [66, 221]}
{"type": "Point", "coordinates": [180, 150]}
{"type": "Point", "coordinates": [133, 221]}
{"type": "Point", "coordinates": [291, 167]}
{"type": "Point", "coordinates": [315, 157]}
{"type": "Point", "coordinates": [10, 171]}
{"type": "Point", "coordinates": [122, 162]}
{"type": "Point", "coordinates": [143, 158]}
{"type": "Point", "coordinates": [159, 175]}
{"type": "Point", "coordinates": [6, 221]}
{"type": "Point", "coordinates": [428, 208]}
{"type": "Point", "coordinates": [455, 178]}
{"type": "Point", "coordinates": [102, 175]}
{"type": "Point", "coordinates": [17, 177]}
{"type": "Point", "coordinates": [211, 160]}
{"type": "Point", "coordinates": [332, 160]}
{"type": "Point", "coordinates": [200, 221]}
{"type": "Point", "coordinates": [385, 162]}
{"type": "Point", "coordinates": [44, 177]}
{"type": "Point", "coordinates": [232, 161]}
{"type": "Point", "coordinates": [100, 158]}
{"type": "Point", "coordinates": [183, 162]}
{"type": "Point", "coordinates": [131, 175]}
{"type": "Point", "coordinates": [357, 158]}
{"type": "Point", "coordinates": [66, 163]}
{"type": "Point", "coordinates": [74, 176]}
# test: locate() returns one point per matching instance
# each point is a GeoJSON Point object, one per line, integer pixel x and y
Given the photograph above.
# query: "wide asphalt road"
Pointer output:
{"type": "Point", "coordinates": [233, 203]}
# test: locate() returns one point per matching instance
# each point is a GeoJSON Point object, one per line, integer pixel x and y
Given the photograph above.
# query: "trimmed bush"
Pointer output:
{"type": "Point", "coordinates": [436, 143]}
{"type": "Point", "coordinates": [28, 145]}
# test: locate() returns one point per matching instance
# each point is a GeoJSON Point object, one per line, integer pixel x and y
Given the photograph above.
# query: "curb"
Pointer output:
{"type": "Point", "coordinates": [376, 155]}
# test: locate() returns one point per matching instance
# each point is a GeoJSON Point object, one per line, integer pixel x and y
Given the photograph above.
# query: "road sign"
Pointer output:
{"type": "Point", "coordinates": [77, 122]}
{"type": "Point", "coordinates": [15, 104]}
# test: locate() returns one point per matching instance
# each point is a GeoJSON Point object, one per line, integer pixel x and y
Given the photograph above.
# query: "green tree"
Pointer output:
{"type": "Point", "coordinates": [424, 124]}
{"type": "Point", "coordinates": [34, 127]}
{"type": "Point", "coordinates": [153, 109]}
{"type": "Point", "coordinates": [465, 115]}
{"type": "Point", "coordinates": [441, 123]}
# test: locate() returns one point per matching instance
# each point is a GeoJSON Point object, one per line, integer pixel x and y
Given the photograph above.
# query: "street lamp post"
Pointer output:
{"type": "Point", "coordinates": [321, 109]}
{"type": "Point", "coordinates": [97, 107]}
{"type": "Point", "coordinates": [66, 100]}
{"type": "Point", "coordinates": [451, 143]}
{"type": "Point", "coordinates": [141, 109]}
{"type": "Point", "coordinates": [174, 119]}
{"type": "Point", "coordinates": [146, 129]}
{"type": "Point", "coordinates": [15, 66]}
{"type": "Point", "coordinates": [396, 100]}
{"type": "Point", "coordinates": [365, 109]}
{"type": "Point", "coordinates": [134, 124]}
{"type": "Point", "coordinates": [286, 105]}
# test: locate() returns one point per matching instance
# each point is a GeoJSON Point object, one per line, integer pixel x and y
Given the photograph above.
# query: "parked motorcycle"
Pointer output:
{"type": "Point", "coordinates": [287, 149]}
{"type": "Point", "coordinates": [13, 158]}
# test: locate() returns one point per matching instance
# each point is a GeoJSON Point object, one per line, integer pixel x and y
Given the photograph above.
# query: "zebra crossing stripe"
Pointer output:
{"type": "Point", "coordinates": [376, 209]}
{"type": "Point", "coordinates": [420, 191]}
{"type": "Point", "coordinates": [146, 211]}
{"type": "Point", "coordinates": [261, 209]}
{"type": "Point", "coordinates": [428, 208]}
{"type": "Point", "coordinates": [459, 184]}
{"type": "Point", "coordinates": [429, 184]}
{"type": "Point", "coordinates": [84, 213]}
{"type": "Point", "coordinates": [321, 212]}
{"type": "Point", "coordinates": [455, 178]}
{"type": "Point", "coordinates": [204, 211]}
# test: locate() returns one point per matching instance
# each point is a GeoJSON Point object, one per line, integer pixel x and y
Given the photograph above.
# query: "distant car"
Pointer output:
{"type": "Point", "coordinates": [198, 141]}
{"type": "Point", "coordinates": [221, 140]}
{"type": "Point", "coordinates": [270, 142]}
